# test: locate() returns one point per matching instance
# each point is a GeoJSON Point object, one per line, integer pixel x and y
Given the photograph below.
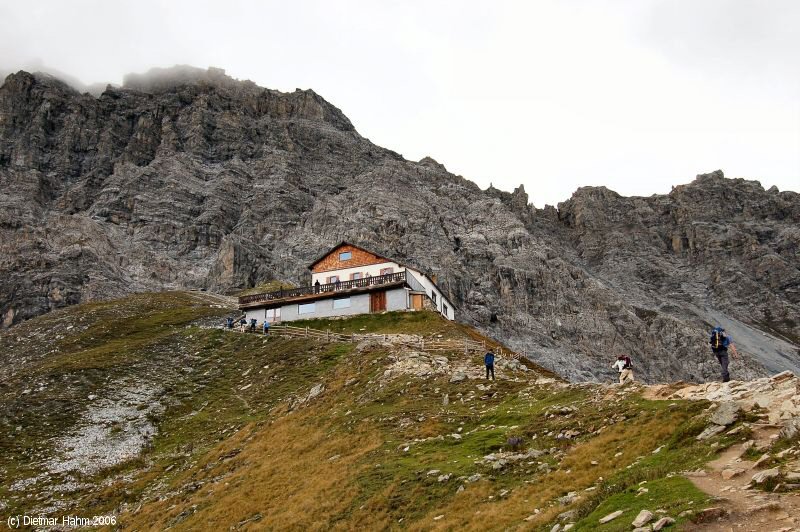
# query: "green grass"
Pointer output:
{"type": "Point", "coordinates": [424, 323]}
{"type": "Point", "coordinates": [673, 495]}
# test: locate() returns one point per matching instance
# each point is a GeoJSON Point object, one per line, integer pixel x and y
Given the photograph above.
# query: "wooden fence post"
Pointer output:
{"type": "Point", "coordinates": [306, 331]}
{"type": "Point", "coordinates": [328, 335]}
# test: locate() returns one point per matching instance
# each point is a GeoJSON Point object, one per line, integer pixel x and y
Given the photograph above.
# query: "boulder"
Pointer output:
{"type": "Point", "coordinates": [763, 476]}
{"type": "Point", "coordinates": [726, 414]}
{"type": "Point", "coordinates": [791, 429]}
{"type": "Point", "coordinates": [644, 517]}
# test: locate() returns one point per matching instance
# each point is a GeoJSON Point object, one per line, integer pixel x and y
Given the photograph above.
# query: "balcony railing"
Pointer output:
{"type": "Point", "coordinates": [340, 286]}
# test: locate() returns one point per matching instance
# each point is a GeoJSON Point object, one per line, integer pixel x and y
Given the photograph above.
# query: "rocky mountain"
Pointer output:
{"type": "Point", "coordinates": [190, 179]}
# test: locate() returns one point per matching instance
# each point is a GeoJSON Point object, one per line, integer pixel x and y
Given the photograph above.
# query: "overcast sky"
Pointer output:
{"type": "Point", "coordinates": [636, 95]}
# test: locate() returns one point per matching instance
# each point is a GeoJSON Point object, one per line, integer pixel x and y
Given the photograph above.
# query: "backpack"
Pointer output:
{"type": "Point", "coordinates": [718, 341]}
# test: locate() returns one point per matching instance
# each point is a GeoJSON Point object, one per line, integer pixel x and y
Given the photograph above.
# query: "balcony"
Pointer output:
{"type": "Point", "coordinates": [365, 284]}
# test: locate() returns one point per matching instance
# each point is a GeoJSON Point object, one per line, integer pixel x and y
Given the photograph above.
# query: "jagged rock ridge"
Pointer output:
{"type": "Point", "coordinates": [187, 179]}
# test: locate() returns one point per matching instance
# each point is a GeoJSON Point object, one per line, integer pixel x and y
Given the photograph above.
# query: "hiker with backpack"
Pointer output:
{"type": "Point", "coordinates": [624, 367]}
{"type": "Point", "coordinates": [229, 322]}
{"type": "Point", "coordinates": [243, 324]}
{"type": "Point", "coordinates": [720, 343]}
{"type": "Point", "coordinates": [253, 322]}
{"type": "Point", "coordinates": [488, 360]}
{"type": "Point", "coordinates": [266, 327]}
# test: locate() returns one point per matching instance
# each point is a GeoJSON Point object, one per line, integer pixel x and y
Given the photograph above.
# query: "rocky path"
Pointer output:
{"type": "Point", "coordinates": [730, 479]}
{"type": "Point", "coordinates": [745, 508]}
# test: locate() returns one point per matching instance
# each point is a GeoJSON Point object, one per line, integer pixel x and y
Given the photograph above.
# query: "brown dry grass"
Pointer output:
{"type": "Point", "coordinates": [282, 472]}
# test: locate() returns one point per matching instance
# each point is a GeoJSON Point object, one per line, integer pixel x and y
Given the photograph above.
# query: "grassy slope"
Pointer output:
{"type": "Point", "coordinates": [235, 446]}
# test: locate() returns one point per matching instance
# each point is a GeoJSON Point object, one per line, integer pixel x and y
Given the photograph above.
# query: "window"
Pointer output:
{"type": "Point", "coordinates": [342, 302]}
{"type": "Point", "coordinates": [386, 271]}
{"type": "Point", "coordinates": [433, 296]}
{"type": "Point", "coordinates": [308, 308]}
{"type": "Point", "coordinates": [444, 309]}
{"type": "Point", "coordinates": [354, 276]}
{"type": "Point", "coordinates": [272, 314]}
{"type": "Point", "coordinates": [345, 255]}
{"type": "Point", "coordinates": [333, 279]}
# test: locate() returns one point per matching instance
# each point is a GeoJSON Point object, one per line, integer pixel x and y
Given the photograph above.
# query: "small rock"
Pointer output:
{"type": "Point", "coordinates": [443, 478]}
{"type": "Point", "coordinates": [315, 391]}
{"type": "Point", "coordinates": [761, 461]}
{"type": "Point", "coordinates": [710, 432]}
{"type": "Point", "coordinates": [728, 474]}
{"type": "Point", "coordinates": [709, 514]}
{"type": "Point", "coordinates": [438, 517]}
{"type": "Point", "coordinates": [663, 523]}
{"type": "Point", "coordinates": [695, 474]}
{"type": "Point", "coordinates": [610, 517]}
{"type": "Point", "coordinates": [644, 517]}
{"type": "Point", "coordinates": [569, 498]}
{"type": "Point", "coordinates": [766, 507]}
{"type": "Point", "coordinates": [556, 528]}
{"type": "Point", "coordinates": [458, 376]}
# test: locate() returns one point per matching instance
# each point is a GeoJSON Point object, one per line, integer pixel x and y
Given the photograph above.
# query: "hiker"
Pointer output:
{"type": "Point", "coordinates": [266, 327]}
{"type": "Point", "coordinates": [243, 324]}
{"type": "Point", "coordinates": [625, 368]}
{"type": "Point", "coordinates": [489, 361]}
{"type": "Point", "coordinates": [229, 322]}
{"type": "Point", "coordinates": [316, 287]}
{"type": "Point", "coordinates": [253, 322]}
{"type": "Point", "coordinates": [720, 343]}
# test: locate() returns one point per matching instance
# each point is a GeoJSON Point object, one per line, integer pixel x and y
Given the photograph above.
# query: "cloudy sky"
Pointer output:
{"type": "Point", "coordinates": [637, 95]}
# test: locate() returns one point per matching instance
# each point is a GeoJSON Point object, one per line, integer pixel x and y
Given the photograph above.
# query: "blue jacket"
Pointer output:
{"type": "Point", "coordinates": [489, 359]}
{"type": "Point", "coordinates": [726, 340]}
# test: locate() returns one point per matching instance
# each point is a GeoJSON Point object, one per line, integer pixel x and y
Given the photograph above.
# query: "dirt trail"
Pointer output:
{"type": "Point", "coordinates": [747, 509]}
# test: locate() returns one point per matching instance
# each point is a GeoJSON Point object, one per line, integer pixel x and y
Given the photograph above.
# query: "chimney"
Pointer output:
{"type": "Point", "coordinates": [433, 278]}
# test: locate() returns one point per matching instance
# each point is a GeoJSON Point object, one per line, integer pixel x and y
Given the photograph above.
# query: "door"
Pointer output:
{"type": "Point", "coordinates": [377, 301]}
{"type": "Point", "coordinates": [416, 301]}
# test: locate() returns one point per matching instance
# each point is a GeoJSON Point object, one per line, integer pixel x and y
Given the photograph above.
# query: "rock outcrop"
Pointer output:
{"type": "Point", "coordinates": [190, 179]}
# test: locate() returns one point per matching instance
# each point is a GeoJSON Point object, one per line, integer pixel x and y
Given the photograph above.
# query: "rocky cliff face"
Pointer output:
{"type": "Point", "coordinates": [190, 179]}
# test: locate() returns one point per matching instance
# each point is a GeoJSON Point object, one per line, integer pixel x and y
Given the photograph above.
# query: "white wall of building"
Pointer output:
{"type": "Point", "coordinates": [443, 305]}
{"type": "Point", "coordinates": [396, 299]}
{"type": "Point", "coordinates": [344, 274]}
